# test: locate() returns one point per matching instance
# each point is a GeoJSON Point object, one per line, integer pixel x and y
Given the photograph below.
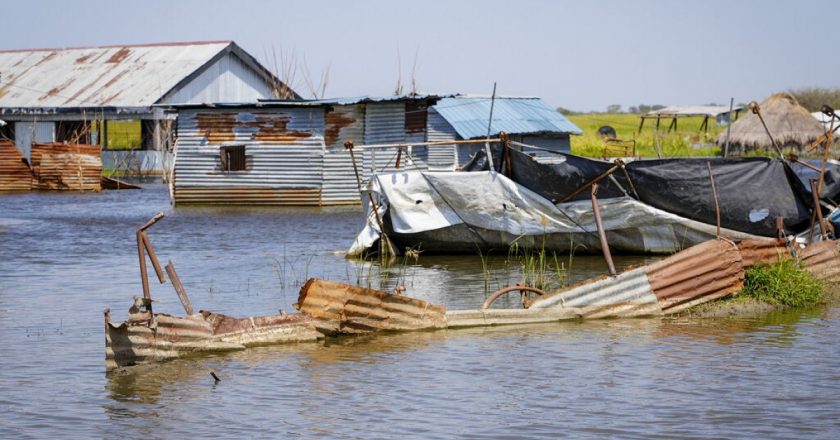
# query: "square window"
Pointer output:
{"type": "Point", "coordinates": [233, 158]}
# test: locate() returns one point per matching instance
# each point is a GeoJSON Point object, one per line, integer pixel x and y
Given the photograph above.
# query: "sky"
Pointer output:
{"type": "Point", "coordinates": [581, 55]}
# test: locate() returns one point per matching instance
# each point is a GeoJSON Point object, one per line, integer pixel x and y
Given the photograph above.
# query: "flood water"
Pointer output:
{"type": "Point", "coordinates": [64, 258]}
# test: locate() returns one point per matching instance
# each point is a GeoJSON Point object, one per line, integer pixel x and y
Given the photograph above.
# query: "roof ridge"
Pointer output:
{"type": "Point", "coordinates": [111, 46]}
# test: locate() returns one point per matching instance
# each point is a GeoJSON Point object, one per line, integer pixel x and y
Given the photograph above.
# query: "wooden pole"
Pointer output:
{"type": "Point", "coordinates": [728, 127]}
{"type": "Point", "coordinates": [349, 146]}
{"type": "Point", "coordinates": [605, 247]}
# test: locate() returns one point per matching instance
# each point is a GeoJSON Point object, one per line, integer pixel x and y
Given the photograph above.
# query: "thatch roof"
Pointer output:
{"type": "Point", "coordinates": [790, 124]}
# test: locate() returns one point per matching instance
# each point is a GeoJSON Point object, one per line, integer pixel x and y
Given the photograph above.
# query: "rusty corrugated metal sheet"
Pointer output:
{"type": "Point", "coordinates": [352, 309]}
{"type": "Point", "coordinates": [136, 341]}
{"type": "Point", "coordinates": [822, 259]}
{"type": "Point", "coordinates": [627, 295]}
{"type": "Point", "coordinates": [14, 174]}
{"type": "Point", "coordinates": [66, 167]}
{"type": "Point", "coordinates": [120, 76]}
{"type": "Point", "coordinates": [762, 252]}
{"type": "Point", "coordinates": [284, 151]}
{"type": "Point", "coordinates": [343, 123]}
{"type": "Point", "coordinates": [699, 274]}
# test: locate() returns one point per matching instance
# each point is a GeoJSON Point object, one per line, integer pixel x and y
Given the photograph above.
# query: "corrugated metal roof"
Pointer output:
{"type": "Point", "coordinates": [118, 76]}
{"type": "Point", "coordinates": [469, 116]}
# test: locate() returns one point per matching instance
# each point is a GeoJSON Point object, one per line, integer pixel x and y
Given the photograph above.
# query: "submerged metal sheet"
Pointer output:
{"type": "Point", "coordinates": [344, 308]}
{"type": "Point", "coordinates": [627, 295]}
{"type": "Point", "coordinates": [822, 259]}
{"type": "Point", "coordinates": [14, 174]}
{"type": "Point", "coordinates": [136, 341]}
{"type": "Point", "coordinates": [699, 274]}
{"type": "Point", "coordinates": [66, 167]}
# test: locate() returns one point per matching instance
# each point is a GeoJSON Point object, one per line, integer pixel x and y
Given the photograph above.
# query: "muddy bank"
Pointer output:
{"type": "Point", "coordinates": [744, 307]}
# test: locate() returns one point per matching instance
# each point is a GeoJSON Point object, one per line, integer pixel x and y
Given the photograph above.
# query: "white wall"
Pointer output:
{"type": "Point", "coordinates": [226, 80]}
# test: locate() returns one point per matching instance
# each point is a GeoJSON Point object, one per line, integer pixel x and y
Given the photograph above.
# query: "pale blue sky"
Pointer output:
{"type": "Point", "coordinates": [576, 54]}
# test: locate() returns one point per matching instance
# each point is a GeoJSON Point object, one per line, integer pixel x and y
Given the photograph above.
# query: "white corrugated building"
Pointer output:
{"type": "Point", "coordinates": [51, 95]}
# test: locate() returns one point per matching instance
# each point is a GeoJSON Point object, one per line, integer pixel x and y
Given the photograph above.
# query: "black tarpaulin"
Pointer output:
{"type": "Point", "coordinates": [752, 192]}
{"type": "Point", "coordinates": [559, 175]}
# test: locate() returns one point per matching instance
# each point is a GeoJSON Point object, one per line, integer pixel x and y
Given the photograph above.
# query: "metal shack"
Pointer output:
{"type": "Point", "coordinates": [277, 152]}
{"type": "Point", "coordinates": [79, 94]}
{"type": "Point", "coordinates": [290, 152]}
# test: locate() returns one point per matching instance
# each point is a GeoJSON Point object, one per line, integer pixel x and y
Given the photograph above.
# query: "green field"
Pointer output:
{"type": "Point", "coordinates": [124, 135]}
{"type": "Point", "coordinates": [687, 140]}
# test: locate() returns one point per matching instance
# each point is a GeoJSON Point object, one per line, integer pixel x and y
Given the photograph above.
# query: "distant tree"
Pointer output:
{"type": "Point", "coordinates": [813, 98]}
{"type": "Point", "coordinates": [644, 108]}
{"type": "Point", "coordinates": [712, 104]}
{"type": "Point", "coordinates": [614, 108]}
{"type": "Point", "coordinates": [656, 107]}
{"type": "Point", "coordinates": [633, 109]}
{"type": "Point", "coordinates": [566, 111]}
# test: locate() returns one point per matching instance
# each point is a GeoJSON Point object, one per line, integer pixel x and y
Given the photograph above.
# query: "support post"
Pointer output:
{"type": "Point", "coordinates": [715, 196]}
{"type": "Point", "coordinates": [348, 145]}
{"type": "Point", "coordinates": [179, 288]}
{"type": "Point", "coordinates": [817, 208]}
{"type": "Point", "coordinates": [605, 247]}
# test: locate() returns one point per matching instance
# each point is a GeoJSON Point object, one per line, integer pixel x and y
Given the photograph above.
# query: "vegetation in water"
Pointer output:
{"type": "Point", "coordinates": [782, 284]}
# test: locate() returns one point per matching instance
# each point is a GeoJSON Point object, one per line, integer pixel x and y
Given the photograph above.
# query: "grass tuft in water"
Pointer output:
{"type": "Point", "coordinates": [783, 283]}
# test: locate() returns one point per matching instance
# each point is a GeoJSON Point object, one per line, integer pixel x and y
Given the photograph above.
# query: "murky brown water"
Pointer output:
{"type": "Point", "coordinates": [64, 258]}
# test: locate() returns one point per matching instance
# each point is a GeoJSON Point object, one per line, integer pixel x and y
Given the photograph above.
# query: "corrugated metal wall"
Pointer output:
{"type": "Point", "coordinates": [28, 132]}
{"type": "Point", "coordinates": [441, 158]}
{"type": "Point", "coordinates": [343, 123]}
{"type": "Point", "coordinates": [284, 156]}
{"type": "Point", "coordinates": [385, 124]}
{"type": "Point", "coordinates": [226, 80]}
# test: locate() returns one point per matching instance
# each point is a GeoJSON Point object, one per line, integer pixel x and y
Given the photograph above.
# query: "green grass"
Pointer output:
{"type": "Point", "coordinates": [783, 284]}
{"type": "Point", "coordinates": [124, 135]}
{"type": "Point", "coordinates": [687, 140]}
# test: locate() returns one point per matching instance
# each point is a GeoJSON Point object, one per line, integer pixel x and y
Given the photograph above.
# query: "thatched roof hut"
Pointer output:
{"type": "Point", "coordinates": [791, 125]}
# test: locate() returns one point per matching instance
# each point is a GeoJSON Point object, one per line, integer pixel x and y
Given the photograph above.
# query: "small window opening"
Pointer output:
{"type": "Point", "coordinates": [233, 158]}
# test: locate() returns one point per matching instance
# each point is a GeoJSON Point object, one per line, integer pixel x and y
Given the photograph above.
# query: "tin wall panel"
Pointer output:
{"type": "Point", "coordinates": [284, 152]}
{"type": "Point", "coordinates": [441, 157]}
{"type": "Point", "coordinates": [343, 123]}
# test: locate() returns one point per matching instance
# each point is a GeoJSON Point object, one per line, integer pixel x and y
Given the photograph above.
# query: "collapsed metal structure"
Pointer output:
{"type": "Point", "coordinates": [54, 166]}
{"type": "Point", "coordinates": [702, 273]}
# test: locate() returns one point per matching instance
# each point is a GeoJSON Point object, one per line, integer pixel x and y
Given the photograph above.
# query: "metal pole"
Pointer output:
{"type": "Point", "coordinates": [818, 208]}
{"type": "Point", "coordinates": [349, 146]}
{"type": "Point", "coordinates": [489, 125]}
{"type": "Point", "coordinates": [757, 111]}
{"type": "Point", "coordinates": [728, 127]}
{"type": "Point", "coordinates": [605, 247]}
{"type": "Point", "coordinates": [714, 194]}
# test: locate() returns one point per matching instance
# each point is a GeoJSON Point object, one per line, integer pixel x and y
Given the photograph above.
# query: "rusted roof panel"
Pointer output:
{"type": "Point", "coordinates": [822, 259]}
{"type": "Point", "coordinates": [119, 76]}
{"type": "Point", "coordinates": [353, 309]}
{"type": "Point", "coordinates": [67, 167]}
{"type": "Point", "coordinates": [14, 174]}
{"type": "Point", "coordinates": [701, 273]}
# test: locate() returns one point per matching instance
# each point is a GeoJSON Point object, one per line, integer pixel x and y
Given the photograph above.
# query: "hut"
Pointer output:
{"type": "Point", "coordinates": [790, 124]}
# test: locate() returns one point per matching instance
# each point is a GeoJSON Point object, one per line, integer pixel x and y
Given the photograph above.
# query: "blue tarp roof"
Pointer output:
{"type": "Point", "coordinates": [469, 116]}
